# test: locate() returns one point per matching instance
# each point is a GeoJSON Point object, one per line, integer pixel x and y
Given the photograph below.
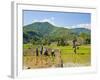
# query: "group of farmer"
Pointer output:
{"type": "Point", "coordinates": [44, 51]}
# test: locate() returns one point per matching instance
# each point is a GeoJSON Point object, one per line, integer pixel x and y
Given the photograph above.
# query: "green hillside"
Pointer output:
{"type": "Point", "coordinates": [45, 33]}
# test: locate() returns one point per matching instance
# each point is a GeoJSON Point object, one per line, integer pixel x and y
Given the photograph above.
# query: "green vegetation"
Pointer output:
{"type": "Point", "coordinates": [46, 33]}
{"type": "Point", "coordinates": [83, 55]}
{"type": "Point", "coordinates": [59, 39]}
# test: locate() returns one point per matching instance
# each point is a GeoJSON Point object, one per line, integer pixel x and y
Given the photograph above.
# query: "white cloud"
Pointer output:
{"type": "Point", "coordinates": [46, 20]}
{"type": "Point", "coordinates": [50, 20]}
{"type": "Point", "coordinates": [87, 26]}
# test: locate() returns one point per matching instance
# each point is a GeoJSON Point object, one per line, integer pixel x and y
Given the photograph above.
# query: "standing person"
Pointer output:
{"type": "Point", "coordinates": [75, 45]}
{"type": "Point", "coordinates": [36, 58]}
{"type": "Point", "coordinates": [41, 50]}
{"type": "Point", "coordinates": [37, 52]}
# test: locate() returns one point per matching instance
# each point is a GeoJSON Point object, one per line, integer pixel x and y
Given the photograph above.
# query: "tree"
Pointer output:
{"type": "Point", "coordinates": [85, 37]}
{"type": "Point", "coordinates": [87, 41]}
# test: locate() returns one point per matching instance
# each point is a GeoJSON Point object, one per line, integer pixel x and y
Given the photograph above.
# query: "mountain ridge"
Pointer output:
{"type": "Point", "coordinates": [45, 29]}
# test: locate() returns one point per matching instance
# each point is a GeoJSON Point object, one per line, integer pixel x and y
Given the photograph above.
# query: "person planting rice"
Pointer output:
{"type": "Point", "coordinates": [53, 53]}
{"type": "Point", "coordinates": [41, 50]}
{"type": "Point", "coordinates": [46, 52]}
{"type": "Point", "coordinates": [46, 55]}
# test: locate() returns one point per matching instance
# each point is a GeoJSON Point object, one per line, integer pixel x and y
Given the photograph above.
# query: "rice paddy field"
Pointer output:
{"type": "Point", "coordinates": [64, 57]}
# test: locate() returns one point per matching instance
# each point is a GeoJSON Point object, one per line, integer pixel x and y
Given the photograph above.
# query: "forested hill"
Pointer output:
{"type": "Point", "coordinates": [38, 31]}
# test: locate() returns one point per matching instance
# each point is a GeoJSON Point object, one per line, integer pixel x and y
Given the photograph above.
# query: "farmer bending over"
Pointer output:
{"type": "Point", "coordinates": [46, 52]}
{"type": "Point", "coordinates": [53, 53]}
{"type": "Point", "coordinates": [41, 50]}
